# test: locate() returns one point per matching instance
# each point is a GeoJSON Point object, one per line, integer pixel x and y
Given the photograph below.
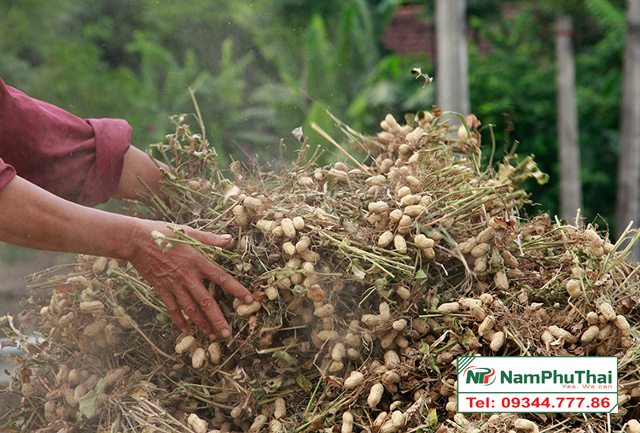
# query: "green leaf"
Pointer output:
{"type": "Point", "coordinates": [607, 15]}
{"type": "Point", "coordinates": [304, 383]}
{"type": "Point", "coordinates": [432, 418]}
{"type": "Point", "coordinates": [424, 348]}
{"type": "Point", "coordinates": [356, 270]}
{"type": "Point", "coordinates": [286, 357]}
{"type": "Point", "coordinates": [469, 339]}
{"type": "Point", "coordinates": [88, 404]}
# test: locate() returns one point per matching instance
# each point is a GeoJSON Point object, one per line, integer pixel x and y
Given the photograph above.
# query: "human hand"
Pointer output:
{"type": "Point", "coordinates": [177, 275]}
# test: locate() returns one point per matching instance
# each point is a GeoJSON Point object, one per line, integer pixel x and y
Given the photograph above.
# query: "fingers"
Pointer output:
{"type": "Point", "coordinates": [173, 309]}
{"type": "Point", "coordinates": [195, 312]}
{"type": "Point", "coordinates": [210, 238]}
{"type": "Point", "coordinates": [227, 282]}
{"type": "Point", "coordinates": [211, 310]}
{"type": "Point", "coordinates": [178, 274]}
{"type": "Point", "coordinates": [195, 302]}
{"type": "Point", "coordinates": [217, 275]}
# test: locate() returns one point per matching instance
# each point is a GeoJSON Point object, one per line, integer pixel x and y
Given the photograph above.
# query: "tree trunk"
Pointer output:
{"type": "Point", "coordinates": [628, 193]}
{"type": "Point", "coordinates": [568, 146]}
{"type": "Point", "coordinates": [452, 70]}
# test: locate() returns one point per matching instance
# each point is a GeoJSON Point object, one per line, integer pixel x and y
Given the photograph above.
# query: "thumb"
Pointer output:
{"type": "Point", "coordinates": [211, 239]}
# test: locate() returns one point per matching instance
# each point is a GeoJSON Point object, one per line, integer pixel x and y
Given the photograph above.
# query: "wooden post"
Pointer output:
{"type": "Point", "coordinates": [452, 70]}
{"type": "Point", "coordinates": [628, 193]}
{"type": "Point", "coordinates": [568, 145]}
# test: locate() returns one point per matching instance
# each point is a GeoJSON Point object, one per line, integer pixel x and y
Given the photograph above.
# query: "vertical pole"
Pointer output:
{"type": "Point", "coordinates": [568, 145]}
{"type": "Point", "coordinates": [452, 69]}
{"type": "Point", "coordinates": [628, 193]}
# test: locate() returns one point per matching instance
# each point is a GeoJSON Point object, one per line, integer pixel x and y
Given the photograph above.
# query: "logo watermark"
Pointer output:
{"type": "Point", "coordinates": [537, 384]}
{"type": "Point", "coordinates": [480, 375]}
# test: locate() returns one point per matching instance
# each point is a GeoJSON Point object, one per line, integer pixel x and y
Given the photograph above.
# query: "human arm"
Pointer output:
{"type": "Point", "coordinates": [34, 218]}
{"type": "Point", "coordinates": [139, 174]}
{"type": "Point", "coordinates": [87, 161]}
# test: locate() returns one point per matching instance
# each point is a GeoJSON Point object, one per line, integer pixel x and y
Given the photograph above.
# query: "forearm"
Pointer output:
{"type": "Point", "coordinates": [34, 218]}
{"type": "Point", "coordinates": [140, 173]}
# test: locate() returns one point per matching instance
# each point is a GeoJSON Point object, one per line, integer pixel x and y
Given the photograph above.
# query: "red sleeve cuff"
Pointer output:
{"type": "Point", "coordinates": [112, 140]}
{"type": "Point", "coordinates": [7, 173]}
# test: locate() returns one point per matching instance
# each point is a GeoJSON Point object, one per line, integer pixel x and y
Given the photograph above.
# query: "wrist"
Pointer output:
{"type": "Point", "coordinates": [139, 237]}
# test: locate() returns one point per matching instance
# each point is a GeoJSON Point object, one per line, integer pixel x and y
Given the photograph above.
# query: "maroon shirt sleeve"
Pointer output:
{"type": "Point", "coordinates": [6, 173]}
{"type": "Point", "coordinates": [77, 159]}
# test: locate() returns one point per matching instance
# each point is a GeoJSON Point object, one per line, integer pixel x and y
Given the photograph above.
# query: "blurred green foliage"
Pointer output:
{"type": "Point", "coordinates": [263, 67]}
{"type": "Point", "coordinates": [513, 86]}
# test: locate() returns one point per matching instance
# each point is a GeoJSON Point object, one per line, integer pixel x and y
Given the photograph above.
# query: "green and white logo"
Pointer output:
{"type": "Point", "coordinates": [474, 374]}
{"type": "Point", "coordinates": [480, 375]}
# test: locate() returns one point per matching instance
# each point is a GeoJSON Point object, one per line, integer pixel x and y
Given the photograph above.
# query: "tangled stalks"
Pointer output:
{"type": "Point", "coordinates": [369, 279]}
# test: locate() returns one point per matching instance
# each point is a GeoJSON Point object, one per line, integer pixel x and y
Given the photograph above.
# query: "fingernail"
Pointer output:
{"type": "Point", "coordinates": [226, 237]}
{"type": "Point", "coordinates": [225, 333]}
{"type": "Point", "coordinates": [212, 336]}
{"type": "Point", "coordinates": [248, 299]}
